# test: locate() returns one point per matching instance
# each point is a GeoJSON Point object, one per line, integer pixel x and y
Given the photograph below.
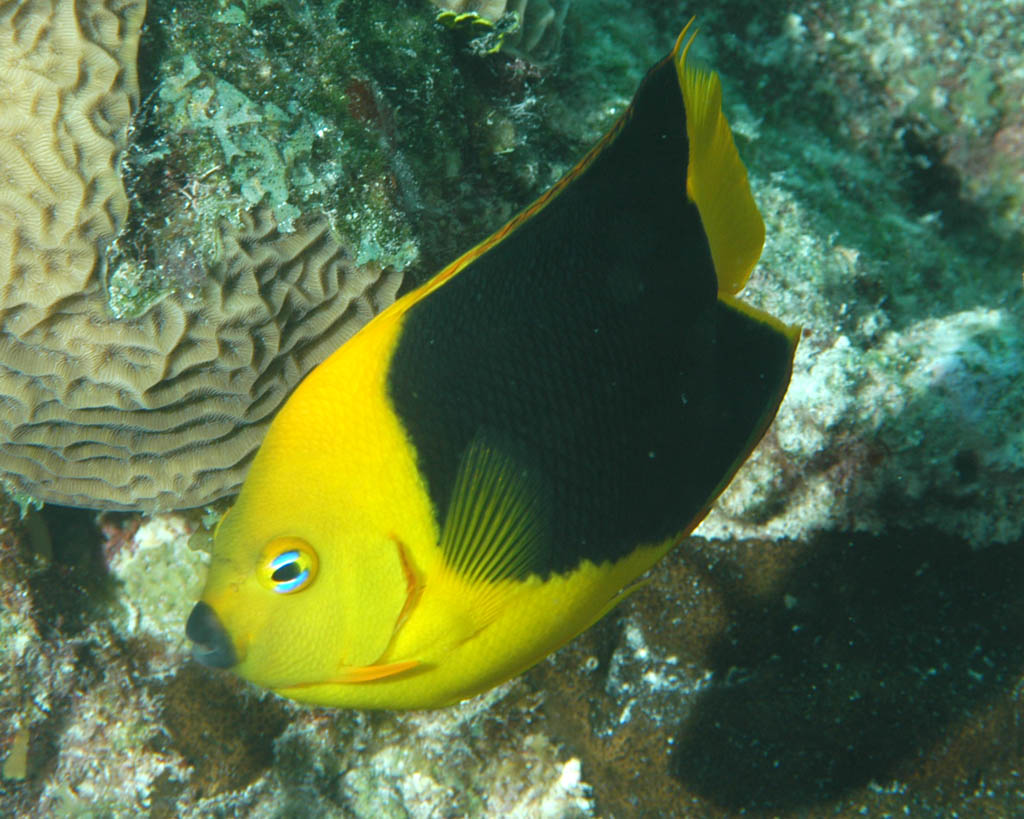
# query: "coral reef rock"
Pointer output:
{"type": "Point", "coordinates": [162, 409]}
{"type": "Point", "coordinates": [540, 22]}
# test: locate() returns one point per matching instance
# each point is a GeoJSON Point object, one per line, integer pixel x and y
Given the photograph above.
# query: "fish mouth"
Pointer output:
{"type": "Point", "coordinates": [212, 645]}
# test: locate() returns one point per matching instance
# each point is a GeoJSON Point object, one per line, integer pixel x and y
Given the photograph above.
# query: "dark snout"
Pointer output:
{"type": "Point", "coordinates": [212, 644]}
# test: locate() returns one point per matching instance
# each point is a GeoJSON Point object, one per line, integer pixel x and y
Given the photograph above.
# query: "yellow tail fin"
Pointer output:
{"type": "Point", "coordinates": [716, 180]}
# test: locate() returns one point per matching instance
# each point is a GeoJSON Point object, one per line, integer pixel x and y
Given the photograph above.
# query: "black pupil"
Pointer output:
{"type": "Point", "coordinates": [289, 571]}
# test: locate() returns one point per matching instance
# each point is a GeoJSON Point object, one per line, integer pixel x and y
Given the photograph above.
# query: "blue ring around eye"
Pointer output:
{"type": "Point", "coordinates": [283, 559]}
{"type": "Point", "coordinates": [293, 584]}
{"type": "Point", "coordinates": [288, 564]}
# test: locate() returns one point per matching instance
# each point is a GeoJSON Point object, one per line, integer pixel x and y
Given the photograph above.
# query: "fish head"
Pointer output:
{"type": "Point", "coordinates": [295, 601]}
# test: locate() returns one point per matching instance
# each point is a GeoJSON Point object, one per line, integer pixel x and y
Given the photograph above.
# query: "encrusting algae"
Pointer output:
{"type": "Point", "coordinates": [483, 471]}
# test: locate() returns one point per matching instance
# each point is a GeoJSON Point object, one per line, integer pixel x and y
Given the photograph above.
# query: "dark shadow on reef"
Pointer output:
{"type": "Point", "coordinates": [886, 645]}
{"type": "Point", "coordinates": [75, 581]}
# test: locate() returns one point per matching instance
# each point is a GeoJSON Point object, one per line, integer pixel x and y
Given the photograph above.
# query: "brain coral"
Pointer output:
{"type": "Point", "coordinates": [164, 409]}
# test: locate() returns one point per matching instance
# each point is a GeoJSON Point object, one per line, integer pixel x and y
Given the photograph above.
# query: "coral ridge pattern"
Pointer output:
{"type": "Point", "coordinates": [163, 409]}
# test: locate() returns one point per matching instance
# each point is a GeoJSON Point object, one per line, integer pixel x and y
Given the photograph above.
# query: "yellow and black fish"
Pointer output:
{"type": "Point", "coordinates": [482, 471]}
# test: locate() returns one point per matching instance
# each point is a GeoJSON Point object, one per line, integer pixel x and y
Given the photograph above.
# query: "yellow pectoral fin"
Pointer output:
{"type": "Point", "coordinates": [496, 526]}
{"type": "Point", "coordinates": [495, 533]}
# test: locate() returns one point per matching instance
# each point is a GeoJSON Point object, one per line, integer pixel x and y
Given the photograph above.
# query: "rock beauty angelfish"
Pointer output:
{"type": "Point", "coordinates": [482, 471]}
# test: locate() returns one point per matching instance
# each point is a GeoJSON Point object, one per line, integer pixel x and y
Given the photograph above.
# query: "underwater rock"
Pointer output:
{"type": "Point", "coordinates": [848, 676]}
{"type": "Point", "coordinates": [904, 406]}
{"type": "Point", "coordinates": [946, 83]}
{"type": "Point", "coordinates": [538, 26]}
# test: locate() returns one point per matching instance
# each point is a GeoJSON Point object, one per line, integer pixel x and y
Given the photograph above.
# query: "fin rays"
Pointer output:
{"type": "Point", "coordinates": [494, 529]}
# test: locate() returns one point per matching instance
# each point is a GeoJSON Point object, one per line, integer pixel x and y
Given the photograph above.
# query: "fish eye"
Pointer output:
{"type": "Point", "coordinates": [288, 564]}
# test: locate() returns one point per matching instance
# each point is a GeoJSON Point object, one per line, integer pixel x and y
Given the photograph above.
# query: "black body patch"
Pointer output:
{"type": "Point", "coordinates": [591, 341]}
